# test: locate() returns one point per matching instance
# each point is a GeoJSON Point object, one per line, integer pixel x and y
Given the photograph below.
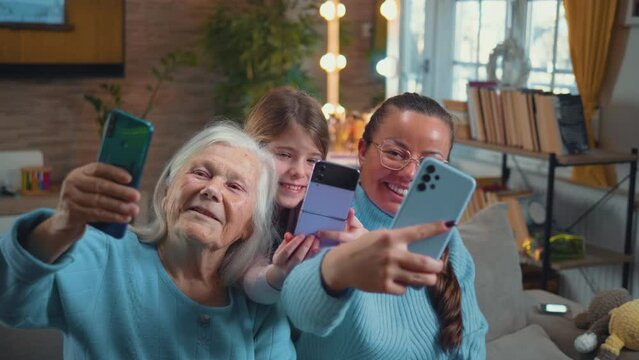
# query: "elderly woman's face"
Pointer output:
{"type": "Point", "coordinates": [212, 197]}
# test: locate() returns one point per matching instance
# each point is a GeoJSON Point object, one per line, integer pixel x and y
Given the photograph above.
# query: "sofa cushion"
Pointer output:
{"type": "Point", "coordinates": [489, 238]}
{"type": "Point", "coordinates": [531, 342]}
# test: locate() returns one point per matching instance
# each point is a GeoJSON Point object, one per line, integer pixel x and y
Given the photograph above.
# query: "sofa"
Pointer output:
{"type": "Point", "coordinates": [516, 329]}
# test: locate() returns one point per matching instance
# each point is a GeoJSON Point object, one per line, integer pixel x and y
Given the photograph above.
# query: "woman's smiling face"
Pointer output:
{"type": "Point", "coordinates": [422, 135]}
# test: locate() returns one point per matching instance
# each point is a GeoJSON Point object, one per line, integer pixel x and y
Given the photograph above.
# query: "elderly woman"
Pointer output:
{"type": "Point", "coordinates": [166, 291]}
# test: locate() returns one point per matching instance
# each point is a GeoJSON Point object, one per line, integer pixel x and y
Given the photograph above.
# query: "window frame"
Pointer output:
{"type": "Point", "coordinates": [437, 75]}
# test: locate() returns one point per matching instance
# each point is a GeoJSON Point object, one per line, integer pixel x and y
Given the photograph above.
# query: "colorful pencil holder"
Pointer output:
{"type": "Point", "coordinates": [35, 179]}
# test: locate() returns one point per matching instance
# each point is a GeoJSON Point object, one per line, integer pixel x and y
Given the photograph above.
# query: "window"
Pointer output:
{"type": "Point", "coordinates": [413, 43]}
{"type": "Point", "coordinates": [547, 45]}
{"type": "Point", "coordinates": [474, 28]}
{"type": "Point", "coordinates": [479, 26]}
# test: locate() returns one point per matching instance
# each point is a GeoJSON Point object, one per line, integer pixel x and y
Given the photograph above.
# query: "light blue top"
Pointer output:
{"type": "Point", "coordinates": [361, 325]}
{"type": "Point", "coordinates": [113, 299]}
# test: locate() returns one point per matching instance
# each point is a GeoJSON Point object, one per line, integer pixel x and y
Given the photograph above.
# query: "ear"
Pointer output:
{"type": "Point", "coordinates": [362, 146]}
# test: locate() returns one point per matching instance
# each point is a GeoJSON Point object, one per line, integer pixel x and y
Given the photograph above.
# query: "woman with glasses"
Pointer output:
{"type": "Point", "coordinates": [340, 299]}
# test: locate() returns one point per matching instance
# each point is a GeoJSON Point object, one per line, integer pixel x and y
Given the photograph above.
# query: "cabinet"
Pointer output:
{"type": "Point", "coordinates": [594, 255]}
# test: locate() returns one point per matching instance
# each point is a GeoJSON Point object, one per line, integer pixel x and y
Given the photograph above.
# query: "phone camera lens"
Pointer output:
{"type": "Point", "coordinates": [430, 169]}
{"type": "Point", "coordinates": [426, 178]}
{"type": "Point", "coordinates": [421, 186]}
{"type": "Point", "coordinates": [436, 177]}
{"type": "Point", "coordinates": [432, 186]}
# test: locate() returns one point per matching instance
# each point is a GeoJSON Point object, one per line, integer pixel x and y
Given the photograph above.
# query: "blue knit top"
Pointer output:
{"type": "Point", "coordinates": [361, 325]}
{"type": "Point", "coordinates": [113, 299]}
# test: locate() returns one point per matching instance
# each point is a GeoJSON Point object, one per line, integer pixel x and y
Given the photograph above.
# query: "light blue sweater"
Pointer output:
{"type": "Point", "coordinates": [113, 299]}
{"type": "Point", "coordinates": [360, 325]}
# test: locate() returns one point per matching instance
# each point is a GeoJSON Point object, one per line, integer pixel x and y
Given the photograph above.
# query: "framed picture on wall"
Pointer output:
{"type": "Point", "coordinates": [62, 38]}
{"type": "Point", "coordinates": [632, 13]}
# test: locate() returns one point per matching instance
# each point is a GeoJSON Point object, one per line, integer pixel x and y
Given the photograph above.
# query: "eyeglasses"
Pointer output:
{"type": "Point", "coordinates": [394, 157]}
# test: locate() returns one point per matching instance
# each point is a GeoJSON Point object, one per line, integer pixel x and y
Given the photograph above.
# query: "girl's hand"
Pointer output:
{"type": "Point", "coordinates": [353, 230]}
{"type": "Point", "coordinates": [379, 261]}
{"type": "Point", "coordinates": [292, 251]}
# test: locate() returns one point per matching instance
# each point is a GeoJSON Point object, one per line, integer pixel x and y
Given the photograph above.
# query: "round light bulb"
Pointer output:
{"type": "Point", "coordinates": [327, 10]}
{"type": "Point", "coordinates": [341, 10]}
{"type": "Point", "coordinates": [389, 10]}
{"type": "Point", "coordinates": [328, 109]}
{"type": "Point", "coordinates": [341, 61]}
{"type": "Point", "coordinates": [327, 62]}
{"type": "Point", "coordinates": [387, 67]}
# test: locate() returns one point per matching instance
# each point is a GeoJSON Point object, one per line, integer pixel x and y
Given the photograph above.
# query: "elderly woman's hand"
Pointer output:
{"type": "Point", "coordinates": [379, 261]}
{"type": "Point", "coordinates": [95, 192]}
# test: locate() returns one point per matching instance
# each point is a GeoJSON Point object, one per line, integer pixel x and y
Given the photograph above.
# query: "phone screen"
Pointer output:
{"type": "Point", "coordinates": [554, 308]}
{"type": "Point", "coordinates": [328, 197]}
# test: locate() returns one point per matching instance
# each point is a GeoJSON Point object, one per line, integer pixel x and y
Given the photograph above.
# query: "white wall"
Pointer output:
{"type": "Point", "coordinates": [619, 124]}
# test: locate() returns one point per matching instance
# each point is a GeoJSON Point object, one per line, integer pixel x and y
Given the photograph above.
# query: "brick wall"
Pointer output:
{"type": "Point", "coordinates": [51, 114]}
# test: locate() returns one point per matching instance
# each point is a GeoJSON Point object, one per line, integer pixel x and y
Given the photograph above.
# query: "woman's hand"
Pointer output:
{"type": "Point", "coordinates": [353, 230]}
{"type": "Point", "coordinates": [95, 192]}
{"type": "Point", "coordinates": [379, 261]}
{"type": "Point", "coordinates": [292, 251]}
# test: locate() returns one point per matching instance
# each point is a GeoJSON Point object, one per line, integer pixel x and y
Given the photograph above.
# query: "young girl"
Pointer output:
{"type": "Point", "coordinates": [334, 298]}
{"type": "Point", "coordinates": [291, 125]}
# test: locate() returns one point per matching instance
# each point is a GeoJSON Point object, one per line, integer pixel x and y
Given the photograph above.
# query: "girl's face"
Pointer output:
{"type": "Point", "coordinates": [420, 134]}
{"type": "Point", "coordinates": [295, 154]}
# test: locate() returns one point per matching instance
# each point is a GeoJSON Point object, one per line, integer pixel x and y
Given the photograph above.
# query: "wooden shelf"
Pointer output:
{"type": "Point", "coordinates": [590, 157]}
{"type": "Point", "coordinates": [24, 203]}
{"type": "Point", "coordinates": [595, 256]}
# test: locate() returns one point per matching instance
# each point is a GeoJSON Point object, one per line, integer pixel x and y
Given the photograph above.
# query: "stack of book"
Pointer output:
{"type": "Point", "coordinates": [524, 118]}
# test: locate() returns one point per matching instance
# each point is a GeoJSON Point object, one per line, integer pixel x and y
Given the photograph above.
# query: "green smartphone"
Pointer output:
{"type": "Point", "coordinates": [125, 144]}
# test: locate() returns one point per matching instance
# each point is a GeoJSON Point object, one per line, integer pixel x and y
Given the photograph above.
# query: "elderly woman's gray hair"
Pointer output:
{"type": "Point", "coordinates": [242, 253]}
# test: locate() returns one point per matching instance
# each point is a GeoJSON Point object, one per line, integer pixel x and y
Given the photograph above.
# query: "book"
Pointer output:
{"type": "Point", "coordinates": [569, 114]}
{"type": "Point", "coordinates": [475, 113]}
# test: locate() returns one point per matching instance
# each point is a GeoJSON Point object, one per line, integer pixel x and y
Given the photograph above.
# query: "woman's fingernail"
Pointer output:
{"type": "Point", "coordinates": [450, 223]}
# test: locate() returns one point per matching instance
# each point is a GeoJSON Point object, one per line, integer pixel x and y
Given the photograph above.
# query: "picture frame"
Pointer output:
{"type": "Point", "coordinates": [632, 13]}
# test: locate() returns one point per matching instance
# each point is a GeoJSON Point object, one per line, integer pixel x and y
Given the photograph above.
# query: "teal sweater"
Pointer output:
{"type": "Point", "coordinates": [113, 299]}
{"type": "Point", "coordinates": [361, 325]}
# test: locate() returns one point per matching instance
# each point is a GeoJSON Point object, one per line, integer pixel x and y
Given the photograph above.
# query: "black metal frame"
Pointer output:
{"type": "Point", "coordinates": [553, 163]}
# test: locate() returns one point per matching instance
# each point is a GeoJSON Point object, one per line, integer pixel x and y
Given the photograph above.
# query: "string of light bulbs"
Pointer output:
{"type": "Point", "coordinates": [332, 62]}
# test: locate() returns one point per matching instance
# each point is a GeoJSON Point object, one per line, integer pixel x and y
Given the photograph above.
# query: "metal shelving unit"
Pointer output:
{"type": "Point", "coordinates": [595, 256]}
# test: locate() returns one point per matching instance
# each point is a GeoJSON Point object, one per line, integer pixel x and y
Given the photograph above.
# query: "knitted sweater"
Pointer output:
{"type": "Point", "coordinates": [113, 299]}
{"type": "Point", "coordinates": [361, 325]}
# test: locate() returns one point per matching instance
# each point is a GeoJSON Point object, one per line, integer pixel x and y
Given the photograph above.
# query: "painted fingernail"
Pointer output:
{"type": "Point", "coordinates": [450, 223]}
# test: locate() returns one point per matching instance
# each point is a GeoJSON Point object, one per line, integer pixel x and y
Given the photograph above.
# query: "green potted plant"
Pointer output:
{"type": "Point", "coordinates": [162, 73]}
{"type": "Point", "coordinates": [257, 47]}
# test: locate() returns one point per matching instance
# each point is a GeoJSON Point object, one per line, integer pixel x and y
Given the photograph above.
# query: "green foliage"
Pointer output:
{"type": "Point", "coordinates": [257, 47]}
{"type": "Point", "coordinates": [103, 108]}
{"type": "Point", "coordinates": [163, 72]}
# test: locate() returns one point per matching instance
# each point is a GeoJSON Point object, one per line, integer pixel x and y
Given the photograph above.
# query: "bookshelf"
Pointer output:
{"type": "Point", "coordinates": [595, 256]}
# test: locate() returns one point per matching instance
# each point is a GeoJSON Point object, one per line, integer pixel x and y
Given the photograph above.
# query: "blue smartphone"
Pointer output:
{"type": "Point", "coordinates": [125, 143]}
{"type": "Point", "coordinates": [438, 192]}
{"type": "Point", "coordinates": [329, 195]}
